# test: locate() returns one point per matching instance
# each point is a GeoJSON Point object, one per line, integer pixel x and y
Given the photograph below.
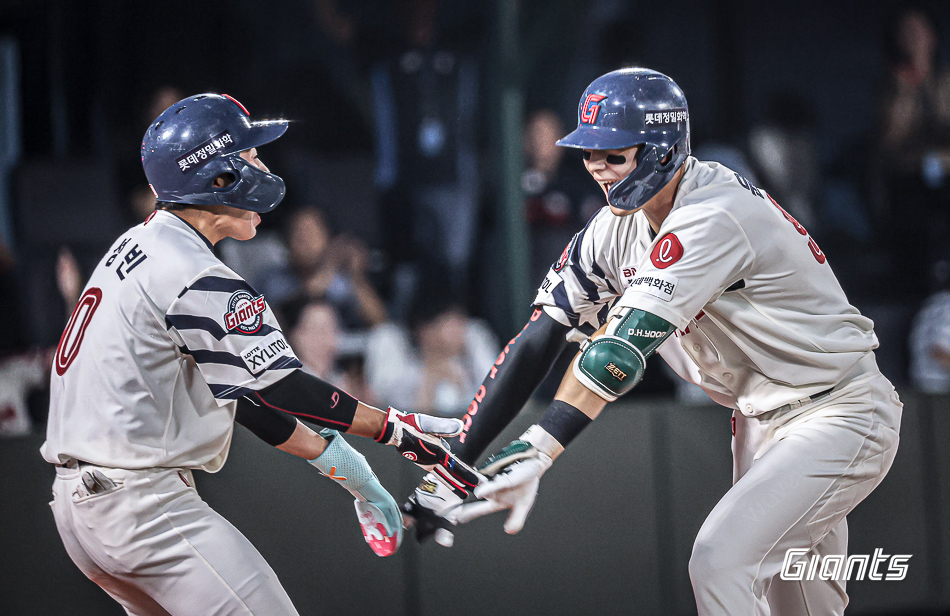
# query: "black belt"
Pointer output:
{"type": "Point", "coordinates": [800, 403]}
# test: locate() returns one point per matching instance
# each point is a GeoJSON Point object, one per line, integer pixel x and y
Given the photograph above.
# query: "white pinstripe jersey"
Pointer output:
{"type": "Point", "coordinates": [164, 340]}
{"type": "Point", "coordinates": [761, 318]}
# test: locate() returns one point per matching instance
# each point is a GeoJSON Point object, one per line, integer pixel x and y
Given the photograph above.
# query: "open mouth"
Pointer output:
{"type": "Point", "coordinates": [606, 186]}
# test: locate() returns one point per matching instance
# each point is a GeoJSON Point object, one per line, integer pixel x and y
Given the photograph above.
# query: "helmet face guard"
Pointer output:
{"type": "Point", "coordinates": [635, 107]}
{"type": "Point", "coordinates": [200, 138]}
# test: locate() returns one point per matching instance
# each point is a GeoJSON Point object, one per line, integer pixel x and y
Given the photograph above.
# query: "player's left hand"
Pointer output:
{"type": "Point", "coordinates": [379, 516]}
{"type": "Point", "coordinates": [419, 438]}
{"type": "Point", "coordinates": [516, 474]}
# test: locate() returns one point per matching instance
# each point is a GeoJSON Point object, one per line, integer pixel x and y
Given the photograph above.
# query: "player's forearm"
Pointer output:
{"type": "Point", "coordinates": [519, 369]}
{"type": "Point", "coordinates": [368, 421]}
{"type": "Point", "coordinates": [304, 443]}
{"type": "Point", "coordinates": [573, 392]}
{"type": "Point", "coordinates": [303, 396]}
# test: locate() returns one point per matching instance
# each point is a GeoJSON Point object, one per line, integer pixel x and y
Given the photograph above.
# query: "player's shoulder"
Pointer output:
{"type": "Point", "coordinates": [712, 190]}
{"type": "Point", "coordinates": [712, 183]}
{"type": "Point", "coordinates": [181, 254]}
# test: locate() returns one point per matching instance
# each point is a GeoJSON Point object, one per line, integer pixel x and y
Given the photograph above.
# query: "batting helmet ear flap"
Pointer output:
{"type": "Point", "coordinates": [666, 159]}
{"type": "Point", "coordinates": [252, 188]}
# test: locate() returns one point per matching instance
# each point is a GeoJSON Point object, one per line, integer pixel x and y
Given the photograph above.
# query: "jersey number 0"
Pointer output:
{"type": "Point", "coordinates": [72, 337]}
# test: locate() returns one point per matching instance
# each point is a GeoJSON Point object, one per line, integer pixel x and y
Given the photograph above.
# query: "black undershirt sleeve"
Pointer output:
{"type": "Point", "coordinates": [519, 369]}
{"type": "Point", "coordinates": [270, 413]}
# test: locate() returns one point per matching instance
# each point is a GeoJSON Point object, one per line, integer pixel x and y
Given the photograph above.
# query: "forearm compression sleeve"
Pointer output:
{"type": "Point", "coordinates": [270, 412]}
{"type": "Point", "coordinates": [519, 369]}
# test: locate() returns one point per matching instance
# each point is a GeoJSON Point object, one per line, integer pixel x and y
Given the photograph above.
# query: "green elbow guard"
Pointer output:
{"type": "Point", "coordinates": [612, 364]}
{"type": "Point", "coordinates": [610, 367]}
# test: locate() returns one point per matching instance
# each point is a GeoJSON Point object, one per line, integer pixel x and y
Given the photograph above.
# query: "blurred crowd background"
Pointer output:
{"type": "Point", "coordinates": [425, 195]}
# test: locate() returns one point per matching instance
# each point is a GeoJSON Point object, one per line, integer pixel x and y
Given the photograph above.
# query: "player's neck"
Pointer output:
{"type": "Point", "coordinates": [659, 207]}
{"type": "Point", "coordinates": [202, 220]}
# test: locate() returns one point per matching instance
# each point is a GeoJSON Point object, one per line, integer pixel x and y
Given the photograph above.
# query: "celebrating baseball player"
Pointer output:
{"type": "Point", "coordinates": [164, 350]}
{"type": "Point", "coordinates": [690, 260]}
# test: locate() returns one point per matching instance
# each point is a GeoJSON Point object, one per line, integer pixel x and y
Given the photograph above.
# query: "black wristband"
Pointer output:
{"type": "Point", "coordinates": [564, 422]}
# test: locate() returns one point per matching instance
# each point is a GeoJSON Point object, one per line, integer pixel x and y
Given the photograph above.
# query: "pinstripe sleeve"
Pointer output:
{"type": "Point", "coordinates": [230, 331]}
{"type": "Point", "coordinates": [576, 289]}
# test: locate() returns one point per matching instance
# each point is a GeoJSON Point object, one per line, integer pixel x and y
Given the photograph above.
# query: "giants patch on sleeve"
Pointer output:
{"type": "Point", "coordinates": [657, 285]}
{"type": "Point", "coordinates": [262, 354]}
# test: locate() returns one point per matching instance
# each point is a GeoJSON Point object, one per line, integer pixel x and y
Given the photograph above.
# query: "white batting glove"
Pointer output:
{"type": "Point", "coordinates": [419, 438]}
{"type": "Point", "coordinates": [515, 474]}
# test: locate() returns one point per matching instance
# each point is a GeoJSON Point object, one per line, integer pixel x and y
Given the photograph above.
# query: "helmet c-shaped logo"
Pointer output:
{"type": "Point", "coordinates": [667, 251]}
{"type": "Point", "coordinates": [591, 108]}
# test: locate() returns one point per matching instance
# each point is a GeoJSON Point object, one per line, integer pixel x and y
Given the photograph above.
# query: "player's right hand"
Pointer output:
{"type": "Point", "coordinates": [430, 510]}
{"type": "Point", "coordinates": [419, 437]}
{"type": "Point", "coordinates": [515, 473]}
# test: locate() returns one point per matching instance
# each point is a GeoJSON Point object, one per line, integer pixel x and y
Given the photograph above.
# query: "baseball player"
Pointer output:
{"type": "Point", "coordinates": [164, 350]}
{"type": "Point", "coordinates": [690, 260]}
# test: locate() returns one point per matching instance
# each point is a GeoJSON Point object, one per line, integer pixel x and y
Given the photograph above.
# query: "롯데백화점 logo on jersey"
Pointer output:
{"type": "Point", "coordinates": [798, 566]}
{"type": "Point", "coordinates": [245, 313]}
{"type": "Point", "coordinates": [667, 251]}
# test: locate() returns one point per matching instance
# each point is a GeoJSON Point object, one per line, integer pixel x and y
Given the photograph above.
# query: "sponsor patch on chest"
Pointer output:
{"type": "Point", "coordinates": [262, 354]}
{"type": "Point", "coordinates": [656, 284]}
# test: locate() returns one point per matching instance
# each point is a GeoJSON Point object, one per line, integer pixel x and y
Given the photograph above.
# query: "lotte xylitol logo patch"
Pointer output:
{"type": "Point", "coordinates": [245, 313]}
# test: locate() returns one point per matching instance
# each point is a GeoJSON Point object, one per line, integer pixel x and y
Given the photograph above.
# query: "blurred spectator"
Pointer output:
{"type": "Point", "coordinates": [913, 151]}
{"type": "Point", "coordinates": [129, 130]}
{"type": "Point", "coordinates": [784, 150]}
{"type": "Point", "coordinates": [436, 364]}
{"type": "Point", "coordinates": [11, 304]}
{"type": "Point", "coordinates": [20, 375]}
{"type": "Point", "coordinates": [559, 198]}
{"type": "Point", "coordinates": [311, 264]}
{"type": "Point", "coordinates": [425, 103]}
{"type": "Point", "coordinates": [24, 372]}
{"type": "Point", "coordinates": [316, 339]}
{"type": "Point", "coordinates": [69, 279]}
{"type": "Point", "coordinates": [930, 337]}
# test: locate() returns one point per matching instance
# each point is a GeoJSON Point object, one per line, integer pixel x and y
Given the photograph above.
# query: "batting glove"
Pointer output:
{"type": "Point", "coordinates": [515, 473]}
{"type": "Point", "coordinates": [430, 510]}
{"type": "Point", "coordinates": [419, 438]}
{"type": "Point", "coordinates": [376, 509]}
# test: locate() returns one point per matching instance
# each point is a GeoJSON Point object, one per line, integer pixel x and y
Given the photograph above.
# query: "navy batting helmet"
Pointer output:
{"type": "Point", "coordinates": [635, 106]}
{"type": "Point", "coordinates": [200, 138]}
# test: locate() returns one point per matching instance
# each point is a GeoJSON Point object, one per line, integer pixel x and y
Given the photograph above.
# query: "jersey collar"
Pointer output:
{"type": "Point", "coordinates": [175, 217]}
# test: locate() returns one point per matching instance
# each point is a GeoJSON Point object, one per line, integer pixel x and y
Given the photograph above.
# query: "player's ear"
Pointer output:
{"type": "Point", "coordinates": [223, 180]}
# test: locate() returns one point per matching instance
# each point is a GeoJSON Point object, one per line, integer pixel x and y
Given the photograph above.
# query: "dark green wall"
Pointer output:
{"type": "Point", "coordinates": [611, 532]}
